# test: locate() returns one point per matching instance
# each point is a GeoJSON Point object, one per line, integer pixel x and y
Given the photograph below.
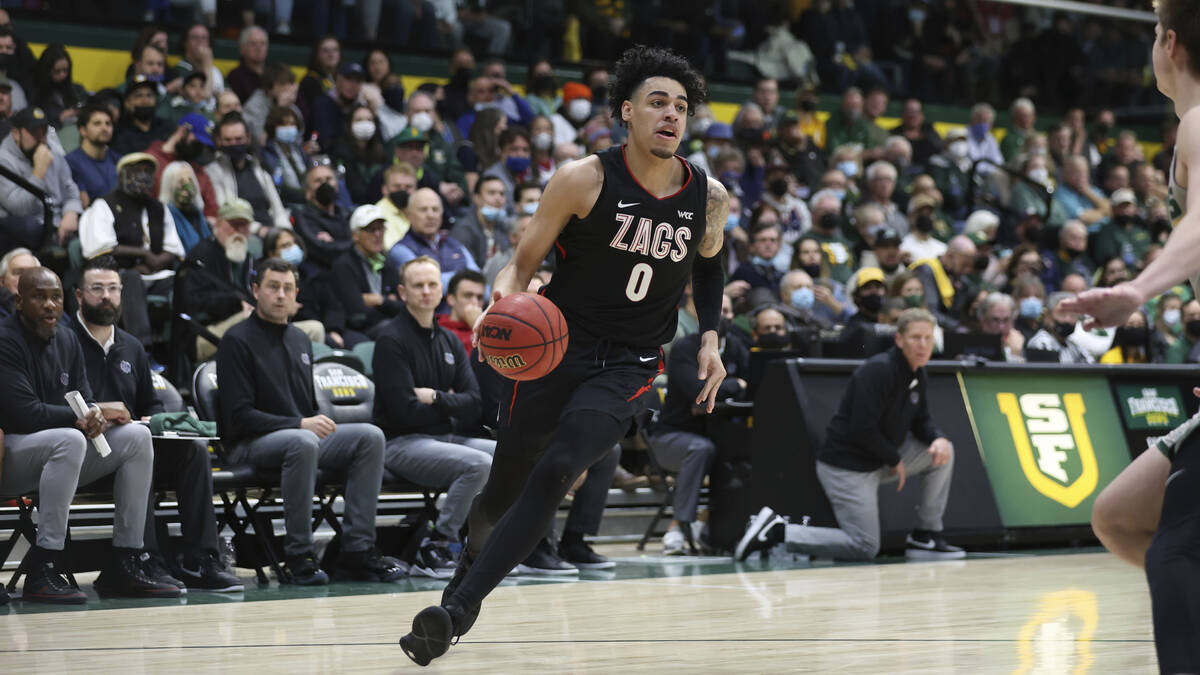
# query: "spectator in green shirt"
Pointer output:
{"type": "Point", "coordinates": [846, 125]}
{"type": "Point", "coordinates": [1020, 129]}
{"type": "Point", "coordinates": [1125, 235]}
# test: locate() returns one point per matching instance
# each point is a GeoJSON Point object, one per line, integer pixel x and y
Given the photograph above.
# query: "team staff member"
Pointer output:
{"type": "Point", "coordinates": [268, 416]}
{"type": "Point", "coordinates": [119, 374]}
{"type": "Point", "coordinates": [881, 432]}
{"type": "Point", "coordinates": [39, 363]}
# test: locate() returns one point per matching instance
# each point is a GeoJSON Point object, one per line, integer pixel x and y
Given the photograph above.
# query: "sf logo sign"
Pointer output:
{"type": "Point", "coordinates": [1053, 445]}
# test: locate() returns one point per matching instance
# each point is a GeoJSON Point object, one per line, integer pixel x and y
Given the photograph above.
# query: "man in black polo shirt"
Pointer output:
{"type": "Point", "coordinates": [119, 373]}
{"type": "Point", "coordinates": [268, 416]}
{"type": "Point", "coordinates": [882, 432]}
{"type": "Point", "coordinates": [45, 452]}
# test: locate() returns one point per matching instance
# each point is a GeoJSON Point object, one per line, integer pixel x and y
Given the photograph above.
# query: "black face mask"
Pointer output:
{"type": "Point", "coordinates": [237, 153]}
{"type": "Point", "coordinates": [600, 93]}
{"type": "Point", "coordinates": [1033, 235]}
{"type": "Point", "coordinates": [808, 105]}
{"type": "Point", "coordinates": [813, 271]}
{"type": "Point", "coordinates": [981, 263]}
{"type": "Point", "coordinates": [188, 152]}
{"type": "Point", "coordinates": [143, 113]}
{"type": "Point", "coordinates": [872, 303]}
{"type": "Point", "coordinates": [399, 199]}
{"type": "Point", "coordinates": [5, 61]}
{"type": "Point", "coordinates": [751, 135]}
{"type": "Point", "coordinates": [544, 84]}
{"type": "Point", "coordinates": [1124, 220]}
{"type": "Point", "coordinates": [326, 194]}
{"type": "Point", "coordinates": [889, 268]}
{"type": "Point", "coordinates": [460, 76]}
{"type": "Point", "coordinates": [924, 224]}
{"type": "Point", "coordinates": [778, 186]}
{"type": "Point", "coordinates": [104, 315]}
{"type": "Point", "coordinates": [393, 97]}
{"type": "Point", "coordinates": [828, 221]}
{"type": "Point", "coordinates": [1131, 337]}
{"type": "Point", "coordinates": [1193, 328]}
{"type": "Point", "coordinates": [1064, 330]}
{"type": "Point", "coordinates": [772, 341]}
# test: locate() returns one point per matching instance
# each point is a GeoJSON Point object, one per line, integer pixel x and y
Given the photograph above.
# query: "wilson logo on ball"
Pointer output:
{"type": "Point", "coordinates": [496, 332]}
{"type": "Point", "coordinates": [511, 362]}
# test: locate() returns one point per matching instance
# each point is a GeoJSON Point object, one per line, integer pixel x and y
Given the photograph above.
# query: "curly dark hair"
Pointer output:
{"type": "Point", "coordinates": [640, 63]}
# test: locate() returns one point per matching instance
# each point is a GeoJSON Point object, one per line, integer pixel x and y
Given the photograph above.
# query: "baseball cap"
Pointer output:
{"type": "Point", "coordinates": [574, 90]}
{"type": "Point", "coordinates": [410, 135]}
{"type": "Point", "coordinates": [719, 131]}
{"type": "Point", "coordinates": [1123, 196]}
{"type": "Point", "coordinates": [980, 238]}
{"type": "Point", "coordinates": [138, 82]}
{"type": "Point", "coordinates": [981, 220]}
{"type": "Point", "coordinates": [5, 83]}
{"type": "Point", "coordinates": [31, 119]}
{"type": "Point", "coordinates": [955, 134]}
{"type": "Point", "coordinates": [364, 216]}
{"type": "Point", "coordinates": [236, 209]}
{"type": "Point", "coordinates": [352, 69]}
{"type": "Point", "coordinates": [200, 126]}
{"type": "Point", "coordinates": [868, 274]}
{"type": "Point", "coordinates": [195, 74]}
{"type": "Point", "coordinates": [136, 158]}
{"type": "Point", "coordinates": [789, 117]}
{"type": "Point", "coordinates": [921, 201]}
{"type": "Point", "coordinates": [887, 235]}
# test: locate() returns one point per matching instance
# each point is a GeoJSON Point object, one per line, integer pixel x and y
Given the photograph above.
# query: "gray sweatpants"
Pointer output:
{"type": "Point", "coordinates": [692, 456]}
{"type": "Point", "coordinates": [356, 449]}
{"type": "Point", "coordinates": [855, 499]}
{"type": "Point", "coordinates": [460, 462]}
{"type": "Point", "coordinates": [55, 461]}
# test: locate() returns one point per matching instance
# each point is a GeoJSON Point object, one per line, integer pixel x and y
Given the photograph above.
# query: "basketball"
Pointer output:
{"type": "Point", "coordinates": [523, 336]}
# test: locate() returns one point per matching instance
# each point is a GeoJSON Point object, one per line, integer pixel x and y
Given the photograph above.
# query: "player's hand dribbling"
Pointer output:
{"type": "Point", "coordinates": [1107, 307]}
{"type": "Point", "coordinates": [712, 371]}
{"type": "Point", "coordinates": [496, 295]}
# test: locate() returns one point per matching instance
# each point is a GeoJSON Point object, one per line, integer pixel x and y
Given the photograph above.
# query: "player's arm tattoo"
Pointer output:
{"type": "Point", "coordinates": [717, 213]}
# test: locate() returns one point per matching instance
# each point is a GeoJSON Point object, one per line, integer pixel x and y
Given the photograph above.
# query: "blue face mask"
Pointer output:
{"type": "Point", "coordinates": [848, 168]}
{"type": "Point", "coordinates": [802, 298]}
{"type": "Point", "coordinates": [732, 221]}
{"type": "Point", "coordinates": [491, 213]}
{"type": "Point", "coordinates": [1031, 308]}
{"type": "Point", "coordinates": [516, 164]}
{"type": "Point", "coordinates": [841, 194]}
{"type": "Point", "coordinates": [713, 151]}
{"type": "Point", "coordinates": [759, 260]}
{"type": "Point", "coordinates": [287, 134]}
{"type": "Point", "coordinates": [529, 208]}
{"type": "Point", "coordinates": [156, 78]}
{"type": "Point", "coordinates": [916, 15]}
{"type": "Point", "coordinates": [293, 254]}
{"type": "Point", "coordinates": [978, 131]}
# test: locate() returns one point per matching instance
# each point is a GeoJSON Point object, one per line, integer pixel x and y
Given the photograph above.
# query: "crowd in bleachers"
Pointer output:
{"type": "Point", "coordinates": [190, 178]}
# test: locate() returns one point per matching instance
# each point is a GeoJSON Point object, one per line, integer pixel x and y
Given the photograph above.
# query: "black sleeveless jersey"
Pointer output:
{"type": "Point", "coordinates": [622, 269]}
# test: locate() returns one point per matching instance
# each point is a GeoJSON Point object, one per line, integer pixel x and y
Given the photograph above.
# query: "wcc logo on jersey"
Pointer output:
{"type": "Point", "coordinates": [1053, 445]}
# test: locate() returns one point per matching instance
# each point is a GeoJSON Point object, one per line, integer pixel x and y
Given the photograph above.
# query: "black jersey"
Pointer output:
{"type": "Point", "coordinates": [623, 268]}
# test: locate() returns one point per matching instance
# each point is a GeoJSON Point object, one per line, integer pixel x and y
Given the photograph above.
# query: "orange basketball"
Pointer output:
{"type": "Point", "coordinates": [523, 336]}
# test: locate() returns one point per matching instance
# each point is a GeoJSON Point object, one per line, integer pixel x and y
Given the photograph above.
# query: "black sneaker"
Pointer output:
{"type": "Point", "coordinates": [125, 577]}
{"type": "Point", "coordinates": [303, 571]}
{"type": "Point", "coordinates": [467, 620]}
{"type": "Point", "coordinates": [3, 595]}
{"type": "Point", "coordinates": [925, 545]}
{"type": "Point", "coordinates": [433, 560]}
{"type": "Point", "coordinates": [576, 551]}
{"type": "Point", "coordinates": [207, 572]}
{"type": "Point", "coordinates": [45, 583]}
{"type": "Point", "coordinates": [432, 630]}
{"type": "Point", "coordinates": [764, 531]}
{"type": "Point", "coordinates": [369, 565]}
{"type": "Point", "coordinates": [544, 561]}
{"type": "Point", "coordinates": [156, 568]}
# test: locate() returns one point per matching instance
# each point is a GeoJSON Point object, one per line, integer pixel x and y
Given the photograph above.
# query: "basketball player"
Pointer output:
{"type": "Point", "coordinates": [631, 225]}
{"type": "Point", "coordinates": [1150, 514]}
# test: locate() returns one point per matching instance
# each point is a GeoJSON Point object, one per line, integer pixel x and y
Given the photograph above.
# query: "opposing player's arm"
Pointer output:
{"type": "Point", "coordinates": [572, 191]}
{"type": "Point", "coordinates": [717, 213]}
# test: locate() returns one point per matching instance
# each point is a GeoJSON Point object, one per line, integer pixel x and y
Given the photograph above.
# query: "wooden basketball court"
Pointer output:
{"type": "Point", "coordinates": [1062, 613]}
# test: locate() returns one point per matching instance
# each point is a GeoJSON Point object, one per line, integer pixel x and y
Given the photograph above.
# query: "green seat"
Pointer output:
{"type": "Point", "coordinates": [366, 352]}
{"type": "Point", "coordinates": [320, 349]}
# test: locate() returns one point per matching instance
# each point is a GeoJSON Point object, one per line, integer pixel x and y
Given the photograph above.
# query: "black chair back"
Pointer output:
{"type": "Point", "coordinates": [344, 394]}
{"type": "Point", "coordinates": [167, 393]}
{"type": "Point", "coordinates": [204, 390]}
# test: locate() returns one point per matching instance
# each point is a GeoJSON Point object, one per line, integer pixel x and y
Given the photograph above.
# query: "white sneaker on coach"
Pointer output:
{"type": "Point", "coordinates": [673, 542]}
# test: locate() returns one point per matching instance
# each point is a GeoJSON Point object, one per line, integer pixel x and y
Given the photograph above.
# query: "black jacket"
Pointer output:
{"type": "Point", "coordinates": [413, 356]}
{"type": "Point", "coordinates": [202, 296]}
{"type": "Point", "coordinates": [310, 221]}
{"type": "Point", "coordinates": [684, 385]}
{"type": "Point", "coordinates": [349, 284]}
{"type": "Point", "coordinates": [37, 375]}
{"type": "Point", "coordinates": [265, 380]}
{"type": "Point", "coordinates": [121, 375]}
{"type": "Point", "coordinates": [884, 401]}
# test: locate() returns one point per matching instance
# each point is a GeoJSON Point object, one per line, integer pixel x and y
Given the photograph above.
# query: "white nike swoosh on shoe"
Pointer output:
{"type": "Point", "coordinates": [623, 205]}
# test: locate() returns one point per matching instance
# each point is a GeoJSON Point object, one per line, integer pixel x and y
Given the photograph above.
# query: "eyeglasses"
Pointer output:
{"type": "Point", "coordinates": [100, 290]}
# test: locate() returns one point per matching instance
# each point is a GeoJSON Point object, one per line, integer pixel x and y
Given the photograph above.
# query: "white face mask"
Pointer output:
{"type": "Point", "coordinates": [959, 149]}
{"type": "Point", "coordinates": [235, 249]}
{"type": "Point", "coordinates": [363, 130]}
{"type": "Point", "coordinates": [579, 110]}
{"type": "Point", "coordinates": [542, 140]}
{"type": "Point", "coordinates": [421, 121]}
{"type": "Point", "coordinates": [1040, 175]}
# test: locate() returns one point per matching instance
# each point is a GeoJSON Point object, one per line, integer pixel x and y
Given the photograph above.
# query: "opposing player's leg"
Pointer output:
{"type": "Point", "coordinates": [1173, 565]}
{"type": "Point", "coordinates": [1126, 513]}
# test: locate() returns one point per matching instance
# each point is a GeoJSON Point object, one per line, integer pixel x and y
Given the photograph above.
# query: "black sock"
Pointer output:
{"type": "Point", "coordinates": [569, 537]}
{"type": "Point", "coordinates": [923, 535]}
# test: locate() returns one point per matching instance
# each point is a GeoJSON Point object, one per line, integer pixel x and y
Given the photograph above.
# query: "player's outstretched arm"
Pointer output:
{"type": "Point", "coordinates": [707, 287]}
{"type": "Point", "coordinates": [1176, 262]}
